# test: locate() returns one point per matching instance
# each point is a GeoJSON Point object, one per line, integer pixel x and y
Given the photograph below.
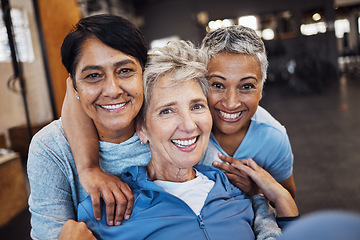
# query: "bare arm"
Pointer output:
{"type": "Point", "coordinates": [244, 182]}
{"type": "Point", "coordinates": [79, 130]}
{"type": "Point", "coordinates": [84, 143]}
{"type": "Point", "coordinates": [273, 191]}
{"type": "Point", "coordinates": [289, 184]}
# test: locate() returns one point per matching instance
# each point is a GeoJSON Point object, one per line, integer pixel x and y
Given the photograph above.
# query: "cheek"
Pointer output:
{"type": "Point", "coordinates": [213, 99]}
{"type": "Point", "coordinates": [205, 122]}
{"type": "Point", "coordinates": [252, 101]}
{"type": "Point", "coordinates": [135, 89]}
{"type": "Point", "coordinates": [87, 92]}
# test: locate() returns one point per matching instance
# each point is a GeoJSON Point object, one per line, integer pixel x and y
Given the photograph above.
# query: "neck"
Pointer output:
{"type": "Point", "coordinates": [116, 136]}
{"type": "Point", "coordinates": [230, 142]}
{"type": "Point", "coordinates": [169, 173]}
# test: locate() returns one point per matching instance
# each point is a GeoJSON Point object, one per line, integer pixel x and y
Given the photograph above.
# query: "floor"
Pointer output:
{"type": "Point", "coordinates": [324, 131]}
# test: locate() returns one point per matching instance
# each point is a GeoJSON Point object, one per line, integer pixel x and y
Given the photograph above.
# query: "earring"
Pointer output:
{"type": "Point", "coordinates": [77, 97]}
{"type": "Point", "coordinates": [143, 143]}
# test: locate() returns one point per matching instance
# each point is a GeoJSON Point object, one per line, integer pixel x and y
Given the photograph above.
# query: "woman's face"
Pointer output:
{"type": "Point", "coordinates": [178, 124]}
{"type": "Point", "coordinates": [109, 85]}
{"type": "Point", "coordinates": [235, 91]}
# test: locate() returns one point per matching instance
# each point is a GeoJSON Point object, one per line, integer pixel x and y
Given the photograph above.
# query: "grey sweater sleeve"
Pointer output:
{"type": "Point", "coordinates": [265, 225]}
{"type": "Point", "coordinates": [52, 183]}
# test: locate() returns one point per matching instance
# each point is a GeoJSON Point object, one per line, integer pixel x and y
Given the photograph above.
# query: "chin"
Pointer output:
{"type": "Point", "coordinates": [118, 126]}
{"type": "Point", "coordinates": [229, 130]}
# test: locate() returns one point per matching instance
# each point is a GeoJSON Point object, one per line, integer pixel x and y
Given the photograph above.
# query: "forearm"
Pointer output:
{"type": "Point", "coordinates": [289, 184]}
{"type": "Point", "coordinates": [80, 131]}
{"type": "Point", "coordinates": [286, 206]}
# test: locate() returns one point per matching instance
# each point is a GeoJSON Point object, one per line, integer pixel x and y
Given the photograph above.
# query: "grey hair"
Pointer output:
{"type": "Point", "coordinates": [236, 39]}
{"type": "Point", "coordinates": [179, 59]}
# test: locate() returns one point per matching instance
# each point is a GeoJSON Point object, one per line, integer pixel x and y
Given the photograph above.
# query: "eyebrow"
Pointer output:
{"type": "Point", "coordinates": [198, 100]}
{"type": "Point", "coordinates": [117, 64]}
{"type": "Point", "coordinates": [175, 102]}
{"type": "Point", "coordinates": [242, 79]}
{"type": "Point", "coordinates": [165, 106]}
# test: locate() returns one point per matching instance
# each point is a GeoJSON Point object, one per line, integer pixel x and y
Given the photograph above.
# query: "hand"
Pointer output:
{"type": "Point", "coordinates": [75, 230]}
{"type": "Point", "coordinates": [273, 191]}
{"type": "Point", "coordinates": [113, 191]}
{"type": "Point", "coordinates": [237, 177]}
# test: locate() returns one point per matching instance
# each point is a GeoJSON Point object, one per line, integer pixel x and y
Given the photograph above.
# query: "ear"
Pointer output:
{"type": "Point", "coordinates": [141, 131]}
{"type": "Point", "coordinates": [70, 90]}
{"type": "Point", "coordinates": [261, 91]}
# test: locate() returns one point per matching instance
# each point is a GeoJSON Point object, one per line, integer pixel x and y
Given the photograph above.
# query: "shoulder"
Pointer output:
{"type": "Point", "coordinates": [262, 118]}
{"type": "Point", "coordinates": [264, 126]}
{"type": "Point", "coordinates": [49, 150]}
{"type": "Point", "coordinates": [50, 135]}
{"type": "Point", "coordinates": [211, 153]}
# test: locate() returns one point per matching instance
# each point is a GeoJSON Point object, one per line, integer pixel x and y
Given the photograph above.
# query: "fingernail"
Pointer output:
{"type": "Point", "coordinates": [118, 223]}
{"type": "Point", "coordinates": [127, 217]}
{"type": "Point", "coordinates": [111, 223]}
{"type": "Point", "coordinates": [215, 163]}
{"type": "Point", "coordinates": [98, 219]}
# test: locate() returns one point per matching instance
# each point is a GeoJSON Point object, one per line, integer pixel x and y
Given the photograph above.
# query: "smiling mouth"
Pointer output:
{"type": "Point", "coordinates": [230, 116]}
{"type": "Point", "coordinates": [113, 106]}
{"type": "Point", "coordinates": [185, 143]}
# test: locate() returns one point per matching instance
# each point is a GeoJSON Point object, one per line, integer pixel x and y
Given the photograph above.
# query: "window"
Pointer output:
{"type": "Point", "coordinates": [341, 26]}
{"type": "Point", "coordinates": [22, 37]}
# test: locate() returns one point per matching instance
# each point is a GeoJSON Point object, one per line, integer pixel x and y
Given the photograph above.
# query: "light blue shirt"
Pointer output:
{"type": "Point", "coordinates": [54, 183]}
{"type": "Point", "coordinates": [266, 142]}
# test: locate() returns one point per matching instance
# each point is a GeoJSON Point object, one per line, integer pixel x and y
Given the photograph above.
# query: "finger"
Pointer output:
{"type": "Point", "coordinates": [110, 206]}
{"type": "Point", "coordinates": [250, 163]}
{"type": "Point", "coordinates": [85, 232]}
{"type": "Point", "coordinates": [120, 208]}
{"type": "Point", "coordinates": [227, 159]}
{"type": "Point", "coordinates": [130, 201]}
{"type": "Point", "coordinates": [233, 178]}
{"type": "Point", "coordinates": [236, 177]}
{"type": "Point", "coordinates": [95, 200]}
{"type": "Point", "coordinates": [226, 167]}
{"type": "Point", "coordinates": [121, 203]}
{"type": "Point", "coordinates": [247, 166]}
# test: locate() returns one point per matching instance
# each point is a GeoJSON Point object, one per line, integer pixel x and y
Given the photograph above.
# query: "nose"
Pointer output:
{"type": "Point", "coordinates": [186, 122]}
{"type": "Point", "coordinates": [111, 87]}
{"type": "Point", "coordinates": [232, 99]}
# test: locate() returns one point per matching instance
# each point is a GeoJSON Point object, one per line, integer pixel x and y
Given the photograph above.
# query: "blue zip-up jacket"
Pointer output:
{"type": "Point", "coordinates": [227, 212]}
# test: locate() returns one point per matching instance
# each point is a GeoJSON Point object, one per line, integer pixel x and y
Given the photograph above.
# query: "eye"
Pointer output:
{"type": "Point", "coordinates": [247, 86]}
{"type": "Point", "coordinates": [217, 85]}
{"type": "Point", "coordinates": [92, 75]}
{"type": "Point", "coordinates": [165, 111]}
{"type": "Point", "coordinates": [125, 72]}
{"type": "Point", "coordinates": [198, 106]}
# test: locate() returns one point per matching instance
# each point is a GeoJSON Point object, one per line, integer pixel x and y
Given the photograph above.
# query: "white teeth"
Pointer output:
{"type": "Point", "coordinates": [114, 106]}
{"type": "Point", "coordinates": [230, 116]}
{"type": "Point", "coordinates": [184, 142]}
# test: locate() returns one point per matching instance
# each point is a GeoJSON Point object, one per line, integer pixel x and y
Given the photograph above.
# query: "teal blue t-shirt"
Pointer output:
{"type": "Point", "coordinates": [266, 142]}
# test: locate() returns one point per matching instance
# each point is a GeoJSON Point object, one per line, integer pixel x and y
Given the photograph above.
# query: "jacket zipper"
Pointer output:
{"type": "Point", "coordinates": [202, 226]}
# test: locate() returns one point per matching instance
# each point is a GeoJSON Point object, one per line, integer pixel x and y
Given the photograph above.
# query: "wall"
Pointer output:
{"type": "Point", "coordinates": [166, 18]}
{"type": "Point", "coordinates": [57, 18]}
{"type": "Point", "coordinates": [12, 111]}
{"type": "Point", "coordinates": [179, 17]}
